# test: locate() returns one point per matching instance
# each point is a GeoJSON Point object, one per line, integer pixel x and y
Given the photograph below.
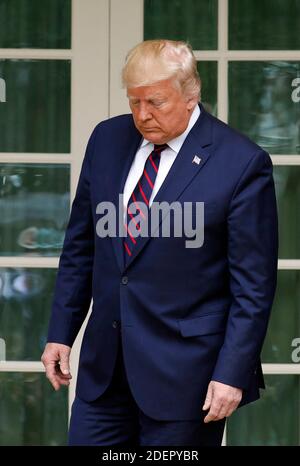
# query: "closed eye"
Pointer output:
{"type": "Point", "coordinates": [157, 103]}
{"type": "Point", "coordinates": [134, 102]}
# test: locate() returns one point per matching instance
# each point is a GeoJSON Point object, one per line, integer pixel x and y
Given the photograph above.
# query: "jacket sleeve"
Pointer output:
{"type": "Point", "coordinates": [252, 259]}
{"type": "Point", "coordinates": [73, 289]}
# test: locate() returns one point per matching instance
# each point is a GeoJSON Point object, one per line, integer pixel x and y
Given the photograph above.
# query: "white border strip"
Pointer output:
{"type": "Point", "coordinates": [39, 262]}
{"type": "Point", "coordinates": [45, 158]}
{"type": "Point", "coordinates": [52, 262]}
{"type": "Point", "coordinates": [285, 159]}
{"type": "Point", "coordinates": [126, 30]}
{"type": "Point", "coordinates": [288, 369]}
{"type": "Point", "coordinates": [222, 97]}
{"type": "Point", "coordinates": [247, 55]}
{"type": "Point", "coordinates": [36, 54]}
{"type": "Point", "coordinates": [288, 264]}
{"type": "Point", "coordinates": [21, 366]}
{"type": "Point", "coordinates": [36, 366]}
{"type": "Point", "coordinates": [89, 96]}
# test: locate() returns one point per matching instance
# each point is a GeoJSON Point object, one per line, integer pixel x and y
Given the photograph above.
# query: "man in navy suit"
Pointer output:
{"type": "Point", "coordinates": [172, 346]}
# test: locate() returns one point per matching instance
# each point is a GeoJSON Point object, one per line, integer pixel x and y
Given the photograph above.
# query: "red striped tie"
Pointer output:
{"type": "Point", "coordinates": [141, 193]}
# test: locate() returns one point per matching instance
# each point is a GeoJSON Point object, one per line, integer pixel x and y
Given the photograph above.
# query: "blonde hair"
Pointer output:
{"type": "Point", "coordinates": [152, 61]}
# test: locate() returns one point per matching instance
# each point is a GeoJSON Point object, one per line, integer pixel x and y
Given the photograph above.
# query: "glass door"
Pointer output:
{"type": "Point", "coordinates": [53, 90]}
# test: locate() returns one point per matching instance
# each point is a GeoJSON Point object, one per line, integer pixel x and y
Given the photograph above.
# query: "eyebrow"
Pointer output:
{"type": "Point", "coordinates": [154, 96]}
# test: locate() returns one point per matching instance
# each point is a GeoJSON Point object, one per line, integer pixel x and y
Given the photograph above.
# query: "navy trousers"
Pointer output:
{"type": "Point", "coordinates": [115, 419]}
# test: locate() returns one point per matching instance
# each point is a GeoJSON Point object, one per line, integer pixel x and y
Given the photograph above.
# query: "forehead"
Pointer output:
{"type": "Point", "coordinates": [160, 89]}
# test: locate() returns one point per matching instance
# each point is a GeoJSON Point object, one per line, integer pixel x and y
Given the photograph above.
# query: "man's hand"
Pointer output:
{"type": "Point", "coordinates": [56, 361]}
{"type": "Point", "coordinates": [221, 400]}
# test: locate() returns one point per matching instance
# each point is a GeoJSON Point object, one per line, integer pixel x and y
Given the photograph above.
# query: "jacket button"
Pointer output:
{"type": "Point", "coordinates": [124, 280]}
{"type": "Point", "coordinates": [115, 324]}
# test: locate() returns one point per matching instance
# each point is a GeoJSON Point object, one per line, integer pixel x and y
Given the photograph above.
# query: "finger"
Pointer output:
{"type": "Point", "coordinates": [211, 416]}
{"type": "Point", "coordinates": [65, 377]}
{"type": "Point", "coordinates": [53, 375]}
{"type": "Point", "coordinates": [215, 408]}
{"type": "Point", "coordinates": [59, 373]}
{"type": "Point", "coordinates": [54, 382]}
{"type": "Point", "coordinates": [207, 402]}
{"type": "Point", "coordinates": [58, 380]}
{"type": "Point", "coordinates": [50, 369]}
{"type": "Point", "coordinates": [225, 407]}
{"type": "Point", "coordinates": [62, 381]}
{"type": "Point", "coordinates": [224, 412]}
{"type": "Point", "coordinates": [64, 364]}
{"type": "Point", "coordinates": [213, 413]}
{"type": "Point", "coordinates": [231, 408]}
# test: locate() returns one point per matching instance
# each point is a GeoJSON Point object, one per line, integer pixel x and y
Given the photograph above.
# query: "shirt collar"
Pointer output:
{"type": "Point", "coordinates": [176, 143]}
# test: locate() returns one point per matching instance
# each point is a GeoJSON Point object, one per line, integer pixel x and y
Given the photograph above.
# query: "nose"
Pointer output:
{"type": "Point", "coordinates": [144, 112]}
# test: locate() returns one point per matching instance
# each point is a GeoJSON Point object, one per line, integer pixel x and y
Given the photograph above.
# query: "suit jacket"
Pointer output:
{"type": "Point", "coordinates": [186, 315]}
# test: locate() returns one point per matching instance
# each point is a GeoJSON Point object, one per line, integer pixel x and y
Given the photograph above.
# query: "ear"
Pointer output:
{"type": "Point", "coordinates": [191, 103]}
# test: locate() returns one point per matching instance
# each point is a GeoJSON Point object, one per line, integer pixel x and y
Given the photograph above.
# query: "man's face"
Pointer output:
{"type": "Point", "coordinates": [160, 111]}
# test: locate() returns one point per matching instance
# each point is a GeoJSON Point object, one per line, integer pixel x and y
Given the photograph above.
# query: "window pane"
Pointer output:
{"type": "Point", "coordinates": [208, 71]}
{"type": "Point", "coordinates": [34, 208]}
{"type": "Point", "coordinates": [31, 412]}
{"type": "Point", "coordinates": [188, 20]}
{"type": "Point", "coordinates": [35, 24]}
{"type": "Point", "coordinates": [25, 302]}
{"type": "Point", "coordinates": [36, 114]}
{"type": "Point", "coordinates": [287, 182]}
{"type": "Point", "coordinates": [264, 103]}
{"type": "Point", "coordinates": [276, 24]}
{"type": "Point", "coordinates": [285, 319]}
{"type": "Point", "coordinates": [273, 420]}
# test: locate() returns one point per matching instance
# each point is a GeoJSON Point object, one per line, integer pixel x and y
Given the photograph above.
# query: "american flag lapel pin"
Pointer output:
{"type": "Point", "coordinates": [196, 159]}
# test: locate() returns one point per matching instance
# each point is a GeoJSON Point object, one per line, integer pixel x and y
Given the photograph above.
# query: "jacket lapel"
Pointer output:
{"type": "Point", "coordinates": [183, 169]}
{"type": "Point", "coordinates": [122, 161]}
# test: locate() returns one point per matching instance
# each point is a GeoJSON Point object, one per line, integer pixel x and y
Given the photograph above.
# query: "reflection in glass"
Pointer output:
{"type": "Point", "coordinates": [208, 71]}
{"type": "Point", "coordinates": [287, 183]}
{"type": "Point", "coordinates": [34, 208]}
{"type": "Point", "coordinates": [36, 114]}
{"type": "Point", "coordinates": [272, 420]}
{"type": "Point", "coordinates": [25, 302]}
{"type": "Point", "coordinates": [188, 20]}
{"type": "Point", "coordinates": [35, 24]}
{"type": "Point", "coordinates": [31, 412]}
{"type": "Point", "coordinates": [261, 104]}
{"type": "Point", "coordinates": [285, 319]}
{"type": "Point", "coordinates": [276, 24]}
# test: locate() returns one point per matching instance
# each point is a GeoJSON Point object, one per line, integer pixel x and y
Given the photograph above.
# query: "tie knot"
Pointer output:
{"type": "Point", "coordinates": [158, 148]}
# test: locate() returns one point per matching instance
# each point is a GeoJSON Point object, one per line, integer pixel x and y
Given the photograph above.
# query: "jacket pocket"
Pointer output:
{"type": "Point", "coordinates": [203, 325]}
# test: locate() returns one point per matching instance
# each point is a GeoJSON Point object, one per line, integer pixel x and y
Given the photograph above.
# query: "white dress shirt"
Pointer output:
{"type": "Point", "coordinates": [167, 158]}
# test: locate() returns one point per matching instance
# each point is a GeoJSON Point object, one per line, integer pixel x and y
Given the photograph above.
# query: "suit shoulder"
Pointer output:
{"type": "Point", "coordinates": [115, 129]}
{"type": "Point", "coordinates": [119, 122]}
{"type": "Point", "coordinates": [114, 132]}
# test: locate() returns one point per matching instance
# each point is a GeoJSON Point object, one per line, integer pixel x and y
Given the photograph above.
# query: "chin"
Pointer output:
{"type": "Point", "coordinates": [154, 137]}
